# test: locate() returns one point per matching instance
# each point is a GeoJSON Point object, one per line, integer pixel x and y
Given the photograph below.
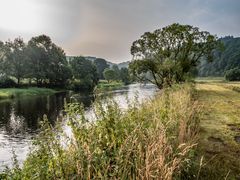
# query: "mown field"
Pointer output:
{"type": "Point", "coordinates": [219, 141]}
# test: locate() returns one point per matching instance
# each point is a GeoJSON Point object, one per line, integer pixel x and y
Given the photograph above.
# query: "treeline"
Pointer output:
{"type": "Point", "coordinates": [224, 61]}
{"type": "Point", "coordinates": [40, 62]}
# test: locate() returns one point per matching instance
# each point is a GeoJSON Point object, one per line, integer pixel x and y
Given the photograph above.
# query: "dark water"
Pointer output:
{"type": "Point", "coordinates": [19, 118]}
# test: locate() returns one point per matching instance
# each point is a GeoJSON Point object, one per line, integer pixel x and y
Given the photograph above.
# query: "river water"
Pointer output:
{"type": "Point", "coordinates": [19, 118]}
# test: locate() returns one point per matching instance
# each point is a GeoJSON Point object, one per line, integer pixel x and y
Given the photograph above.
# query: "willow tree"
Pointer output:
{"type": "Point", "coordinates": [167, 55]}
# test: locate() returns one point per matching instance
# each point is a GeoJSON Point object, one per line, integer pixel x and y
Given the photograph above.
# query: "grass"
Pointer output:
{"type": "Point", "coordinates": [153, 140]}
{"type": "Point", "coordinates": [19, 92]}
{"type": "Point", "coordinates": [220, 129]}
{"type": "Point", "coordinates": [104, 85]}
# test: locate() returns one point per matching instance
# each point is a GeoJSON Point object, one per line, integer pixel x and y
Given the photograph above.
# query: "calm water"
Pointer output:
{"type": "Point", "coordinates": [19, 118]}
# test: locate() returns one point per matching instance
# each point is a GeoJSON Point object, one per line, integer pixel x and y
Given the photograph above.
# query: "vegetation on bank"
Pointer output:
{"type": "Point", "coordinates": [153, 139]}
{"type": "Point", "coordinates": [219, 139]}
{"type": "Point", "coordinates": [106, 86]}
{"type": "Point", "coordinates": [20, 92]}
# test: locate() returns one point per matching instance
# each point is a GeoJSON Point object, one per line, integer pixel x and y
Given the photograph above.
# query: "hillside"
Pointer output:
{"type": "Point", "coordinates": [229, 58]}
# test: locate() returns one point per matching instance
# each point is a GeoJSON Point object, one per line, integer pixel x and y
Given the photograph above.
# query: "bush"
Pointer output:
{"type": "Point", "coordinates": [233, 74]}
{"type": "Point", "coordinates": [6, 82]}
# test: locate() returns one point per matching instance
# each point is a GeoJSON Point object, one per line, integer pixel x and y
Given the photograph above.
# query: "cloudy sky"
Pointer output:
{"type": "Point", "coordinates": [106, 28]}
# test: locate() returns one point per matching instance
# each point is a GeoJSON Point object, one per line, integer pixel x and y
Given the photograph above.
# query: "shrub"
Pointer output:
{"type": "Point", "coordinates": [233, 74]}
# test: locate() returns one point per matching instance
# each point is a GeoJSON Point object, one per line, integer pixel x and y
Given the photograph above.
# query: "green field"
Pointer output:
{"type": "Point", "coordinates": [219, 142]}
{"type": "Point", "coordinates": [19, 92]}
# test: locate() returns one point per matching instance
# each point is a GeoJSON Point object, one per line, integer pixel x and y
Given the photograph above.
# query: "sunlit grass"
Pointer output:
{"type": "Point", "coordinates": [19, 92]}
{"type": "Point", "coordinates": [219, 126]}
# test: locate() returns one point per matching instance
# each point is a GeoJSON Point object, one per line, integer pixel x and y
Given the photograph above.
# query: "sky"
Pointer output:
{"type": "Point", "coordinates": [107, 28]}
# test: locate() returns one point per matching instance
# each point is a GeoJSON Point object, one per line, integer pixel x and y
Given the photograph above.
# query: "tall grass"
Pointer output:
{"type": "Point", "coordinates": [153, 140]}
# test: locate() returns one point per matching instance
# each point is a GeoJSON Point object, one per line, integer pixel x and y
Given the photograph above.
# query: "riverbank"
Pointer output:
{"type": "Point", "coordinates": [220, 129]}
{"type": "Point", "coordinates": [10, 93]}
{"type": "Point", "coordinates": [104, 85]}
{"type": "Point", "coordinates": [153, 139]}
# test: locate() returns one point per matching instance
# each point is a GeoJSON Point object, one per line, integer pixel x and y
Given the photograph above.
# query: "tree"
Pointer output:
{"type": "Point", "coordinates": [170, 53]}
{"type": "Point", "coordinates": [101, 64]}
{"type": "Point", "coordinates": [38, 49]}
{"type": "Point", "coordinates": [233, 74]}
{"type": "Point", "coordinates": [116, 71]}
{"type": "Point", "coordinates": [124, 75]}
{"type": "Point", "coordinates": [109, 74]}
{"type": "Point", "coordinates": [48, 62]}
{"type": "Point", "coordinates": [85, 72]}
{"type": "Point", "coordinates": [16, 59]}
{"type": "Point", "coordinates": [224, 60]}
{"type": "Point", "coordinates": [59, 72]}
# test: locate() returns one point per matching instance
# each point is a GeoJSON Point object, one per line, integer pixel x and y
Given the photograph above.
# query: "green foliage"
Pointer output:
{"type": "Point", "coordinates": [124, 75]}
{"type": "Point", "coordinates": [15, 59]}
{"type": "Point", "coordinates": [6, 82]}
{"type": "Point", "coordinates": [116, 72]}
{"type": "Point", "coordinates": [148, 140]}
{"type": "Point", "coordinates": [21, 92]}
{"type": "Point", "coordinates": [40, 59]}
{"type": "Point", "coordinates": [101, 64]}
{"type": "Point", "coordinates": [233, 74]}
{"type": "Point", "coordinates": [228, 58]}
{"type": "Point", "coordinates": [85, 74]}
{"type": "Point", "coordinates": [109, 74]}
{"type": "Point", "coordinates": [48, 62]}
{"type": "Point", "coordinates": [170, 53]}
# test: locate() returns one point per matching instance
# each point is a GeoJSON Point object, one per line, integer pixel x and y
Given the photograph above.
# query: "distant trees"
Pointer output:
{"type": "Point", "coordinates": [42, 63]}
{"type": "Point", "coordinates": [226, 59]}
{"type": "Point", "coordinates": [109, 74]}
{"type": "Point", "coordinates": [233, 74]}
{"type": "Point", "coordinates": [101, 65]}
{"type": "Point", "coordinates": [124, 76]}
{"type": "Point", "coordinates": [85, 73]}
{"type": "Point", "coordinates": [170, 53]}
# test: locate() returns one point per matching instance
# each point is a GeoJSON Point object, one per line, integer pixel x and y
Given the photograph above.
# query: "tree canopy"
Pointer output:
{"type": "Point", "coordinates": [85, 72]}
{"type": "Point", "coordinates": [227, 59]}
{"type": "Point", "coordinates": [170, 53]}
{"type": "Point", "coordinates": [101, 64]}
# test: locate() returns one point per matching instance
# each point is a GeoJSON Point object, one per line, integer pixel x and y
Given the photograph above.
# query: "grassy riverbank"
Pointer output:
{"type": "Point", "coordinates": [19, 92]}
{"type": "Point", "coordinates": [220, 129]}
{"type": "Point", "coordinates": [154, 139]}
{"type": "Point", "coordinates": [104, 85]}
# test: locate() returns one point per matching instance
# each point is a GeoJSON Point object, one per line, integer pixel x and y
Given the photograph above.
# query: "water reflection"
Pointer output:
{"type": "Point", "coordinates": [19, 118]}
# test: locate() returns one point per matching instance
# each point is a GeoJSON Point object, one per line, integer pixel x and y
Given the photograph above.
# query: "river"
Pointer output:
{"type": "Point", "coordinates": [19, 118]}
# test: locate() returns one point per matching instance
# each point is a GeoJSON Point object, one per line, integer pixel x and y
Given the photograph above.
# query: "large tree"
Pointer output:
{"type": "Point", "coordinates": [170, 53]}
{"type": "Point", "coordinates": [16, 58]}
{"type": "Point", "coordinates": [48, 62]}
{"type": "Point", "coordinates": [84, 72]}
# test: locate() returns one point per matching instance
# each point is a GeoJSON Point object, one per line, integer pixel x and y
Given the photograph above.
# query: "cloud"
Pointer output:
{"type": "Point", "coordinates": [106, 28]}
